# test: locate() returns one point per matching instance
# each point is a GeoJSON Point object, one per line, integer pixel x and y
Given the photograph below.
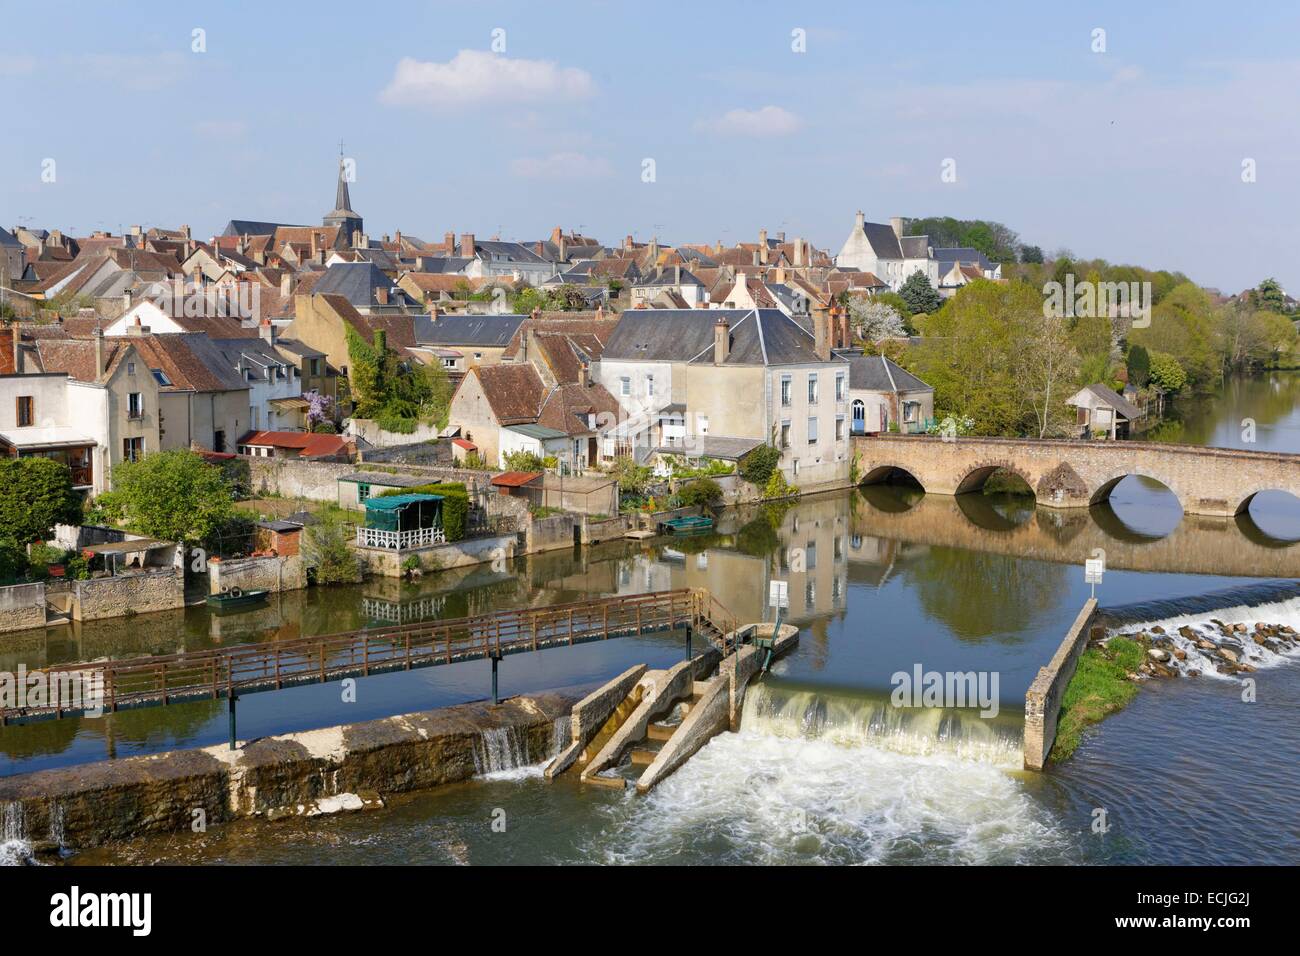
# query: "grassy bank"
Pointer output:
{"type": "Point", "coordinates": [1100, 687]}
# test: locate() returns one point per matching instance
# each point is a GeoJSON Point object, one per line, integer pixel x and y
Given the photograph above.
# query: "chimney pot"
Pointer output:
{"type": "Point", "coordinates": [99, 353]}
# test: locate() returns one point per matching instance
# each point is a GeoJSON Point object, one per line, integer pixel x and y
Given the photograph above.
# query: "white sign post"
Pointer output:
{"type": "Point", "coordinates": [1093, 569]}
{"type": "Point", "coordinates": [778, 594]}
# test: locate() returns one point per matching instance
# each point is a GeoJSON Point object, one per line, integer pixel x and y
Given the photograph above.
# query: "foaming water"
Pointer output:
{"type": "Point", "coordinates": [827, 778]}
{"type": "Point", "coordinates": [1201, 626]}
{"type": "Point", "coordinates": [503, 753]}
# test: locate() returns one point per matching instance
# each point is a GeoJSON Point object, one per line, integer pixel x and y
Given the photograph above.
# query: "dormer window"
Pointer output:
{"type": "Point", "coordinates": [161, 377]}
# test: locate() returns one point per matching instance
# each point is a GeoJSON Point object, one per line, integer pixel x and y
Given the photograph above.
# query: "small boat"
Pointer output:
{"type": "Point", "coordinates": [694, 524]}
{"type": "Point", "coordinates": [231, 598]}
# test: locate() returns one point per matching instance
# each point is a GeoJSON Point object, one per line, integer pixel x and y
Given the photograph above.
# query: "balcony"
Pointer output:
{"type": "Point", "coordinates": [399, 540]}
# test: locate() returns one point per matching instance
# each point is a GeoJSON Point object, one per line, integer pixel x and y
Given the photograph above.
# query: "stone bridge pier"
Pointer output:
{"type": "Point", "coordinates": [1076, 474]}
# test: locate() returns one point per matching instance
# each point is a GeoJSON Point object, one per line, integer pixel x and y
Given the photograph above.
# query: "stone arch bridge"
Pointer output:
{"type": "Point", "coordinates": [1076, 474]}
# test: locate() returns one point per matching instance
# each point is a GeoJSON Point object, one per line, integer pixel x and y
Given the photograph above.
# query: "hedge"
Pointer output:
{"type": "Point", "coordinates": [455, 505]}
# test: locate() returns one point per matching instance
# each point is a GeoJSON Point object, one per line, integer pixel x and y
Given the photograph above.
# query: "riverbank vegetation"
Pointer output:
{"type": "Point", "coordinates": [992, 355]}
{"type": "Point", "coordinates": [1101, 686]}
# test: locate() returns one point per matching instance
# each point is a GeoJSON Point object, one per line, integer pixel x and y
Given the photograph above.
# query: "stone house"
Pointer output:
{"type": "Point", "coordinates": [883, 396]}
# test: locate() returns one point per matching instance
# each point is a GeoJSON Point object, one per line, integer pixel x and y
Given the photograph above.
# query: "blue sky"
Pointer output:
{"type": "Point", "coordinates": [1134, 154]}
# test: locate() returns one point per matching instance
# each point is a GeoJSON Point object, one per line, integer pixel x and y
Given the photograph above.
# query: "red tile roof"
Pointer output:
{"type": "Point", "coordinates": [308, 444]}
{"type": "Point", "coordinates": [515, 479]}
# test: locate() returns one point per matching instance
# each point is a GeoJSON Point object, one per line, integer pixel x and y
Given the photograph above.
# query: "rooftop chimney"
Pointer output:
{"type": "Point", "coordinates": [584, 376]}
{"type": "Point", "coordinates": [841, 314]}
{"type": "Point", "coordinates": [99, 353]}
{"type": "Point", "coordinates": [896, 223]}
{"type": "Point", "coordinates": [381, 295]}
{"type": "Point", "coordinates": [286, 283]}
{"type": "Point", "coordinates": [762, 246]}
{"type": "Point", "coordinates": [17, 335]}
{"type": "Point", "coordinates": [822, 333]}
{"type": "Point", "coordinates": [721, 341]}
{"type": "Point", "coordinates": [467, 245]}
{"type": "Point", "coordinates": [627, 241]}
{"type": "Point", "coordinates": [798, 253]}
{"type": "Point", "coordinates": [267, 332]}
{"type": "Point", "coordinates": [861, 220]}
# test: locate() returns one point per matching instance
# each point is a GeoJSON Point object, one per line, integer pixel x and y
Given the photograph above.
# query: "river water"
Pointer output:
{"type": "Point", "coordinates": [882, 580]}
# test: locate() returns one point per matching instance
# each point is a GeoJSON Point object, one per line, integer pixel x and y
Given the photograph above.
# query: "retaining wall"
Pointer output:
{"type": "Point", "coordinates": [274, 573]}
{"type": "Point", "coordinates": [550, 534]}
{"type": "Point", "coordinates": [22, 606]}
{"type": "Point", "coordinates": [138, 593]}
{"type": "Point", "coordinates": [439, 557]}
{"type": "Point", "coordinates": [1043, 699]}
{"type": "Point", "coordinates": [594, 532]}
{"type": "Point", "coordinates": [93, 804]}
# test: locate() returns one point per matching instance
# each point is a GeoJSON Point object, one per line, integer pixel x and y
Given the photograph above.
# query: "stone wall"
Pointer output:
{"type": "Point", "coordinates": [594, 532]}
{"type": "Point", "coordinates": [1043, 699]}
{"type": "Point", "coordinates": [22, 606]}
{"type": "Point", "coordinates": [440, 557]}
{"type": "Point", "coordinates": [369, 431]}
{"type": "Point", "coordinates": [425, 453]}
{"type": "Point", "coordinates": [128, 594]}
{"type": "Point", "coordinates": [272, 573]}
{"type": "Point", "coordinates": [551, 534]}
{"type": "Point", "coordinates": [93, 804]}
{"type": "Point", "coordinates": [290, 478]}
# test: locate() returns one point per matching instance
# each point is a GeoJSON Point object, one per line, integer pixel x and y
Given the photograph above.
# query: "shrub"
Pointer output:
{"type": "Point", "coordinates": [1166, 372]}
{"type": "Point", "coordinates": [778, 487]}
{"type": "Point", "coordinates": [633, 479]}
{"type": "Point", "coordinates": [760, 464]}
{"type": "Point", "coordinates": [35, 495]}
{"type": "Point", "coordinates": [455, 505]}
{"type": "Point", "coordinates": [523, 460]}
{"type": "Point", "coordinates": [325, 547]}
{"type": "Point", "coordinates": [13, 560]}
{"type": "Point", "coordinates": [701, 491]}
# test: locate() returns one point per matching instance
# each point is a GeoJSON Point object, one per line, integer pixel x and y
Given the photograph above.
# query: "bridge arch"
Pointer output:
{"type": "Point", "coordinates": [1102, 492]}
{"type": "Point", "coordinates": [977, 475]}
{"type": "Point", "coordinates": [1279, 500]}
{"type": "Point", "coordinates": [883, 473]}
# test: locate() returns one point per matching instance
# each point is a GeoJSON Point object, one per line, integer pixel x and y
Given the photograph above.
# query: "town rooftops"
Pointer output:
{"type": "Point", "coordinates": [757, 337]}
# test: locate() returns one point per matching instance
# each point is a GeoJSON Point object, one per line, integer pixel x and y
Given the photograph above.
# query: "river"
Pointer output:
{"type": "Point", "coordinates": [881, 579]}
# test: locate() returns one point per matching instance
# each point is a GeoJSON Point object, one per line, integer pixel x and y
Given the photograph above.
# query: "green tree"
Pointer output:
{"type": "Point", "coordinates": [1270, 296]}
{"type": "Point", "coordinates": [758, 465]}
{"type": "Point", "coordinates": [1139, 366]}
{"type": "Point", "coordinates": [919, 294]}
{"type": "Point", "coordinates": [326, 548]}
{"type": "Point", "coordinates": [171, 495]}
{"type": "Point", "coordinates": [35, 495]}
{"type": "Point", "coordinates": [1031, 254]}
{"type": "Point", "coordinates": [1166, 373]}
{"type": "Point", "coordinates": [396, 393]}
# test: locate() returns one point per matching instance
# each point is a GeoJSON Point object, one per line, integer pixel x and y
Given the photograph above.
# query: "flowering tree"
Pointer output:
{"type": "Point", "coordinates": [320, 408]}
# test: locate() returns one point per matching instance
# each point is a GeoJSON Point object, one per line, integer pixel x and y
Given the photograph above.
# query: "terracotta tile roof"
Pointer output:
{"type": "Point", "coordinates": [567, 407]}
{"type": "Point", "coordinates": [515, 479]}
{"type": "Point", "coordinates": [599, 325]}
{"type": "Point", "coordinates": [76, 357]}
{"type": "Point", "coordinates": [307, 444]}
{"type": "Point", "coordinates": [514, 391]}
{"type": "Point", "coordinates": [189, 359]}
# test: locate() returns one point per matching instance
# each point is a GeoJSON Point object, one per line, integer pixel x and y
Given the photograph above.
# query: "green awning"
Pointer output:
{"type": "Point", "coordinates": [397, 502]}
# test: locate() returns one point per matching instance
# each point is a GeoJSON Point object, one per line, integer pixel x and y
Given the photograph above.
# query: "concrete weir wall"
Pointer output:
{"type": "Point", "coordinates": [1043, 699]}
{"type": "Point", "coordinates": [590, 714]}
{"type": "Point", "coordinates": [89, 805]}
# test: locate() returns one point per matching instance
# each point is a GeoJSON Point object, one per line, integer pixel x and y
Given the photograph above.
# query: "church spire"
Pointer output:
{"type": "Point", "coordinates": [342, 201]}
{"type": "Point", "coordinates": [343, 215]}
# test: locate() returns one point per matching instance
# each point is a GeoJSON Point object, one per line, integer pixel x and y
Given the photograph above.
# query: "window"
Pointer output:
{"type": "Point", "coordinates": [794, 466]}
{"type": "Point", "coordinates": [839, 428]}
{"type": "Point", "coordinates": [650, 386]}
{"type": "Point", "coordinates": [130, 368]}
{"type": "Point", "coordinates": [810, 556]}
{"type": "Point", "coordinates": [785, 391]}
{"type": "Point", "coordinates": [911, 411]}
{"type": "Point", "coordinates": [812, 389]}
{"type": "Point", "coordinates": [363, 491]}
{"type": "Point", "coordinates": [132, 449]}
{"type": "Point", "coordinates": [477, 356]}
{"type": "Point", "coordinates": [810, 596]}
{"type": "Point", "coordinates": [160, 376]}
{"type": "Point", "coordinates": [449, 363]}
{"type": "Point", "coordinates": [313, 366]}
{"type": "Point", "coordinates": [625, 386]}
{"type": "Point", "coordinates": [135, 405]}
{"type": "Point", "coordinates": [785, 434]}
{"type": "Point", "coordinates": [26, 410]}
{"type": "Point", "coordinates": [702, 424]}
{"type": "Point", "coordinates": [219, 440]}
{"type": "Point", "coordinates": [812, 431]}
{"type": "Point", "coordinates": [839, 386]}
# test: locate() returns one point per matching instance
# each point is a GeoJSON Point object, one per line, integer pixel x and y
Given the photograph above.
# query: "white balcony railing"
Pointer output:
{"type": "Point", "coordinates": [399, 540]}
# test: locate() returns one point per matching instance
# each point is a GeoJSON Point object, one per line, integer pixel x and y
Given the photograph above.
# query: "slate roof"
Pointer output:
{"type": "Point", "coordinates": [252, 227]}
{"type": "Point", "coordinates": [883, 240]}
{"type": "Point", "coordinates": [355, 281]}
{"type": "Point", "coordinates": [1109, 397]}
{"type": "Point", "coordinates": [715, 446]}
{"type": "Point", "coordinates": [916, 247]}
{"type": "Point", "coordinates": [485, 331]}
{"type": "Point", "coordinates": [876, 373]}
{"type": "Point", "coordinates": [758, 337]}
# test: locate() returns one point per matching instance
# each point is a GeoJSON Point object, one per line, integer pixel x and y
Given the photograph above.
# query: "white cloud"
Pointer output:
{"type": "Point", "coordinates": [474, 76]}
{"type": "Point", "coordinates": [767, 121]}
{"type": "Point", "coordinates": [561, 166]}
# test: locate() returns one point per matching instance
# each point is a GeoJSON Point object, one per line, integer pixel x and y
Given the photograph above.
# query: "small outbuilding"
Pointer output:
{"type": "Point", "coordinates": [1102, 412]}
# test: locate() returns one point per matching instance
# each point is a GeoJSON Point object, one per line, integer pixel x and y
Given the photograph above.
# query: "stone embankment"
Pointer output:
{"type": "Point", "coordinates": [299, 774]}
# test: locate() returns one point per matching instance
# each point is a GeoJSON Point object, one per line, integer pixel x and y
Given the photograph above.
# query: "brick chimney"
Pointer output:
{"type": "Point", "coordinates": [721, 341]}
{"type": "Point", "coordinates": [99, 353]}
{"type": "Point", "coordinates": [381, 295]}
{"type": "Point", "coordinates": [627, 241]}
{"type": "Point", "coordinates": [16, 334]}
{"type": "Point", "coordinates": [584, 376]}
{"type": "Point", "coordinates": [467, 245]}
{"type": "Point", "coordinates": [822, 333]}
{"type": "Point", "coordinates": [449, 240]}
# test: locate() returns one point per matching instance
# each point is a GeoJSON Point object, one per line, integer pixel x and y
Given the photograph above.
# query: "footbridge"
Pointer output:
{"type": "Point", "coordinates": [108, 686]}
{"type": "Point", "coordinates": [1076, 474]}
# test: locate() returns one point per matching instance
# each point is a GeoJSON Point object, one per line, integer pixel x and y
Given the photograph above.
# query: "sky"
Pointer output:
{"type": "Point", "coordinates": [1171, 140]}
